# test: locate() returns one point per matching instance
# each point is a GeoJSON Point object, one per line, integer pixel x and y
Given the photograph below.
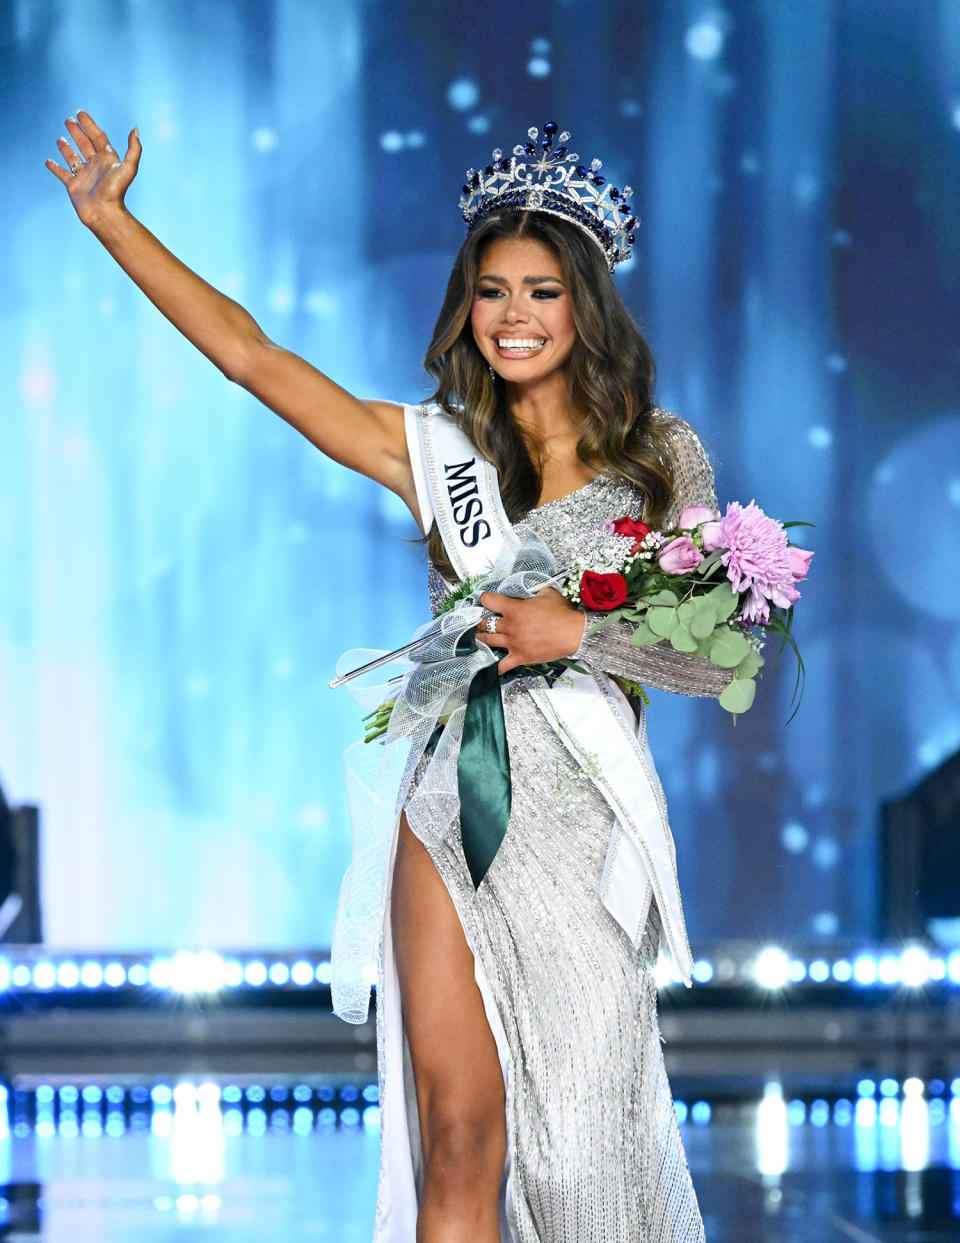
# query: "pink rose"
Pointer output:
{"type": "Point", "coordinates": [680, 555]}
{"type": "Point", "coordinates": [694, 515]}
{"type": "Point", "coordinates": [799, 563]}
{"type": "Point", "coordinates": [712, 535]}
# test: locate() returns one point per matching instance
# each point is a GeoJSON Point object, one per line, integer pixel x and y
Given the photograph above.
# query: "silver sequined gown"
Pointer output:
{"type": "Point", "coordinates": [594, 1150]}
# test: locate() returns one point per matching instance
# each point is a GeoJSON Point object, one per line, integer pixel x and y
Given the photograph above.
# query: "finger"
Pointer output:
{"type": "Point", "coordinates": [76, 132]}
{"type": "Point", "coordinates": [58, 171]}
{"type": "Point", "coordinates": [93, 131]}
{"type": "Point", "coordinates": [492, 638]}
{"type": "Point", "coordinates": [70, 156]}
{"type": "Point", "coordinates": [509, 662]}
{"type": "Point", "coordinates": [494, 601]}
{"type": "Point", "coordinates": [134, 149]}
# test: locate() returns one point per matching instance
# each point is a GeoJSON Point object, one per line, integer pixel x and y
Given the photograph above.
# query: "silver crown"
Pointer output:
{"type": "Point", "coordinates": [542, 177]}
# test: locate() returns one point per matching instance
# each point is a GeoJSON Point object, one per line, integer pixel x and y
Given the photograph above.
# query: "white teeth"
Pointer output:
{"type": "Point", "coordinates": [520, 343]}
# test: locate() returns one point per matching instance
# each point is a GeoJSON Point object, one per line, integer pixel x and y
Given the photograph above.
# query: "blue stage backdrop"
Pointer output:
{"type": "Point", "coordinates": [179, 570]}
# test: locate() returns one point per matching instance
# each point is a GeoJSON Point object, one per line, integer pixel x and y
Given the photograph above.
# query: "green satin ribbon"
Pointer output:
{"type": "Point", "coordinates": [483, 774]}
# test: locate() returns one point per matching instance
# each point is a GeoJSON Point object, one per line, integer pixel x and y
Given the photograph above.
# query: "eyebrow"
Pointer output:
{"type": "Point", "coordinates": [527, 280]}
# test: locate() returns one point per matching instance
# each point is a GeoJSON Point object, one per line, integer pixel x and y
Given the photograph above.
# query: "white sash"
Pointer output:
{"type": "Point", "coordinates": [459, 489]}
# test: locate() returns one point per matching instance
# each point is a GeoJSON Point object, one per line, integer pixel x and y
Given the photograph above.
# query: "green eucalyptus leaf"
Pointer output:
{"type": "Point", "coordinates": [726, 600]}
{"type": "Point", "coordinates": [729, 648]}
{"type": "Point", "coordinates": [704, 619]}
{"type": "Point", "coordinates": [710, 562]}
{"type": "Point", "coordinates": [751, 665]}
{"type": "Point", "coordinates": [664, 596]}
{"type": "Point", "coordinates": [662, 621]}
{"type": "Point", "coordinates": [643, 636]}
{"type": "Point", "coordinates": [682, 640]}
{"type": "Point", "coordinates": [739, 695]}
{"type": "Point", "coordinates": [686, 611]}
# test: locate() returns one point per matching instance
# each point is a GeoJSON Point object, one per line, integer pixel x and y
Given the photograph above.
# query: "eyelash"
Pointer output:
{"type": "Point", "coordinates": [542, 294]}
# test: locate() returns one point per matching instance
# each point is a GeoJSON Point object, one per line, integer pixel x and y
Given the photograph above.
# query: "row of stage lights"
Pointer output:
{"type": "Point", "coordinates": [209, 972]}
{"type": "Point", "coordinates": [92, 1110]}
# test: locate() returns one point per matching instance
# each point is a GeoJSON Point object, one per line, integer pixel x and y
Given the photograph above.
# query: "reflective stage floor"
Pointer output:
{"type": "Point", "coordinates": [297, 1161]}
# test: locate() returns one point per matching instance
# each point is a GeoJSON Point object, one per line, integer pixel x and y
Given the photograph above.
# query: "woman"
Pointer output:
{"type": "Point", "coordinates": [522, 1083]}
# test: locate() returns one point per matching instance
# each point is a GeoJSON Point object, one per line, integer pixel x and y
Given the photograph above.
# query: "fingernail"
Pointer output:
{"type": "Point", "coordinates": [136, 130]}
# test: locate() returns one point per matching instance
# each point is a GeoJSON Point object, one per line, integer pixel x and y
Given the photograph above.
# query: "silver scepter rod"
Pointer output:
{"type": "Point", "coordinates": [387, 657]}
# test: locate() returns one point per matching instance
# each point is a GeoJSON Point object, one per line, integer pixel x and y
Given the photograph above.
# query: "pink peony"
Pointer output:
{"type": "Point", "coordinates": [799, 563]}
{"type": "Point", "coordinates": [757, 558]}
{"type": "Point", "coordinates": [680, 555]}
{"type": "Point", "coordinates": [694, 515]}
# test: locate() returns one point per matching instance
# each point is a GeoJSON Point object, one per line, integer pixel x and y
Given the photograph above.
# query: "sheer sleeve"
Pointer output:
{"type": "Point", "coordinates": [609, 649]}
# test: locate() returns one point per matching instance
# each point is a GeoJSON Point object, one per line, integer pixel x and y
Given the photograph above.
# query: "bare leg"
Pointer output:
{"type": "Point", "coordinates": [459, 1084]}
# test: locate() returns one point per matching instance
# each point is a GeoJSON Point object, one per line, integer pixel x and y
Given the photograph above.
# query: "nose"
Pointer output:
{"type": "Point", "coordinates": [512, 312]}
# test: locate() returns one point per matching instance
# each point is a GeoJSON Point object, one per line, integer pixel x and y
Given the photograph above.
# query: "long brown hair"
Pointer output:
{"type": "Point", "coordinates": [611, 373]}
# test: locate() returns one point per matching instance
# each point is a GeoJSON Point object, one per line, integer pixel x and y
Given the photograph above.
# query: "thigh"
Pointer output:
{"type": "Point", "coordinates": [455, 1062]}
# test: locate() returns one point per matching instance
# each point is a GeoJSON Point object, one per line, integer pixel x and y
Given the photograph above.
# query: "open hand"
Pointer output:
{"type": "Point", "coordinates": [533, 631]}
{"type": "Point", "coordinates": [95, 177]}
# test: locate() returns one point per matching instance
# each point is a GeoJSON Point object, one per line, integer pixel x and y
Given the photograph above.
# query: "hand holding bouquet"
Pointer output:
{"type": "Point", "coordinates": [711, 588]}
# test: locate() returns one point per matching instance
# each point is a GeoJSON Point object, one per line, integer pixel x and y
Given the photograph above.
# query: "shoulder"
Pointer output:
{"type": "Point", "coordinates": [676, 439]}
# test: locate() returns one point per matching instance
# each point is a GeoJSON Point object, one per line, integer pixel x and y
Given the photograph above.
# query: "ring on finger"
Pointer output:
{"type": "Point", "coordinates": [490, 625]}
{"type": "Point", "coordinates": [74, 167]}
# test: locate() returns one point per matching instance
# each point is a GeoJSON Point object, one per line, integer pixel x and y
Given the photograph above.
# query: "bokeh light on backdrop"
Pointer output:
{"type": "Point", "coordinates": [179, 570]}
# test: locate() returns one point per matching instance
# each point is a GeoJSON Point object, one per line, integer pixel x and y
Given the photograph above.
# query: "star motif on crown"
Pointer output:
{"type": "Point", "coordinates": [542, 174]}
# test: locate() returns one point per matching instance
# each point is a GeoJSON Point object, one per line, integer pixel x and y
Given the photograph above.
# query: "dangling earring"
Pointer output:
{"type": "Point", "coordinates": [493, 374]}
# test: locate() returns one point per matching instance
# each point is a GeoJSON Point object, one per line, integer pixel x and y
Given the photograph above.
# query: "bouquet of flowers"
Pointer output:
{"type": "Point", "coordinates": [714, 587]}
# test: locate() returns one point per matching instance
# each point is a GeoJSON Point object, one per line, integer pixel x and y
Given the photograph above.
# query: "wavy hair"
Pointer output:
{"type": "Point", "coordinates": [611, 374]}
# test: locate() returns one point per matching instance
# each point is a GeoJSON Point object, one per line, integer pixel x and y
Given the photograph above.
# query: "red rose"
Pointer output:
{"type": "Point", "coordinates": [631, 526]}
{"type": "Point", "coordinates": [602, 592]}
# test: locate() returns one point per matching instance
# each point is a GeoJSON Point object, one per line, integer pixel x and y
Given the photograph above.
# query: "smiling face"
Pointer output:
{"type": "Point", "coordinates": [522, 315]}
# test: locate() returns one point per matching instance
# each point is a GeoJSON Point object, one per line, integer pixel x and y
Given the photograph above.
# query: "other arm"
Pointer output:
{"type": "Point", "coordinates": [610, 650]}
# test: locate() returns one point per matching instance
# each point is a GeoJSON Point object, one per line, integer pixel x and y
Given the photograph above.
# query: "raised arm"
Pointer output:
{"type": "Point", "coordinates": [366, 436]}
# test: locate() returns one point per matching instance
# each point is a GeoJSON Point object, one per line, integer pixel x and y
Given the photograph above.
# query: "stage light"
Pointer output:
{"type": "Point", "coordinates": [279, 1093]}
{"type": "Point", "coordinates": [704, 40]}
{"type": "Point", "coordinates": [44, 975]}
{"type": "Point", "coordinates": [953, 968]}
{"type": "Point", "coordinates": [4, 974]}
{"type": "Point", "coordinates": [302, 1120]}
{"type": "Point", "coordinates": [772, 968]}
{"type": "Point", "coordinates": [702, 971]}
{"type": "Point", "coordinates": [797, 971]}
{"type": "Point", "coordinates": [256, 1093]}
{"type": "Point", "coordinates": [232, 1094]}
{"type": "Point", "coordinates": [700, 1113]}
{"type": "Point", "coordinates": [21, 976]}
{"type": "Point", "coordinates": [937, 969]}
{"type": "Point", "coordinates": [68, 975]}
{"type": "Point", "coordinates": [92, 1094]}
{"type": "Point", "coordinates": [196, 973]}
{"type": "Point", "coordinates": [232, 973]}
{"type": "Point", "coordinates": [818, 971]}
{"type": "Point", "coordinates": [160, 973]}
{"type": "Point", "coordinates": [889, 1087]}
{"type": "Point", "coordinates": [771, 1134]}
{"type": "Point", "coordinates": [69, 1095]}
{"type": "Point", "coordinates": [371, 1092]}
{"type": "Point", "coordinates": [210, 1203]}
{"type": "Point", "coordinates": [255, 973]}
{"type": "Point", "coordinates": [185, 1094]}
{"type": "Point", "coordinates": [841, 971]}
{"type": "Point", "coordinates": [301, 973]}
{"type": "Point", "coordinates": [115, 975]}
{"type": "Point", "coordinates": [842, 1112]}
{"type": "Point", "coordinates": [348, 1092]}
{"type": "Point", "coordinates": [866, 1087]}
{"type": "Point", "coordinates": [913, 1086]}
{"type": "Point", "coordinates": [349, 1116]}
{"type": "Point", "coordinates": [796, 1112]}
{"type": "Point", "coordinates": [681, 1111]}
{"type": "Point", "coordinates": [187, 1203]}
{"type": "Point", "coordinates": [865, 970]}
{"type": "Point", "coordinates": [161, 1094]}
{"type": "Point", "coordinates": [115, 1094]}
{"type": "Point", "coordinates": [256, 1121]}
{"type": "Point", "coordinates": [91, 975]}
{"type": "Point", "coordinates": [327, 1117]}
{"type": "Point", "coordinates": [323, 973]}
{"type": "Point", "coordinates": [208, 1094]}
{"type": "Point", "coordinates": [819, 1113]}
{"type": "Point", "coordinates": [914, 966]}
{"type": "Point", "coordinates": [279, 973]}
{"type": "Point", "coordinates": [888, 969]}
{"type": "Point", "coordinates": [302, 1092]}
{"type": "Point", "coordinates": [371, 1116]}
